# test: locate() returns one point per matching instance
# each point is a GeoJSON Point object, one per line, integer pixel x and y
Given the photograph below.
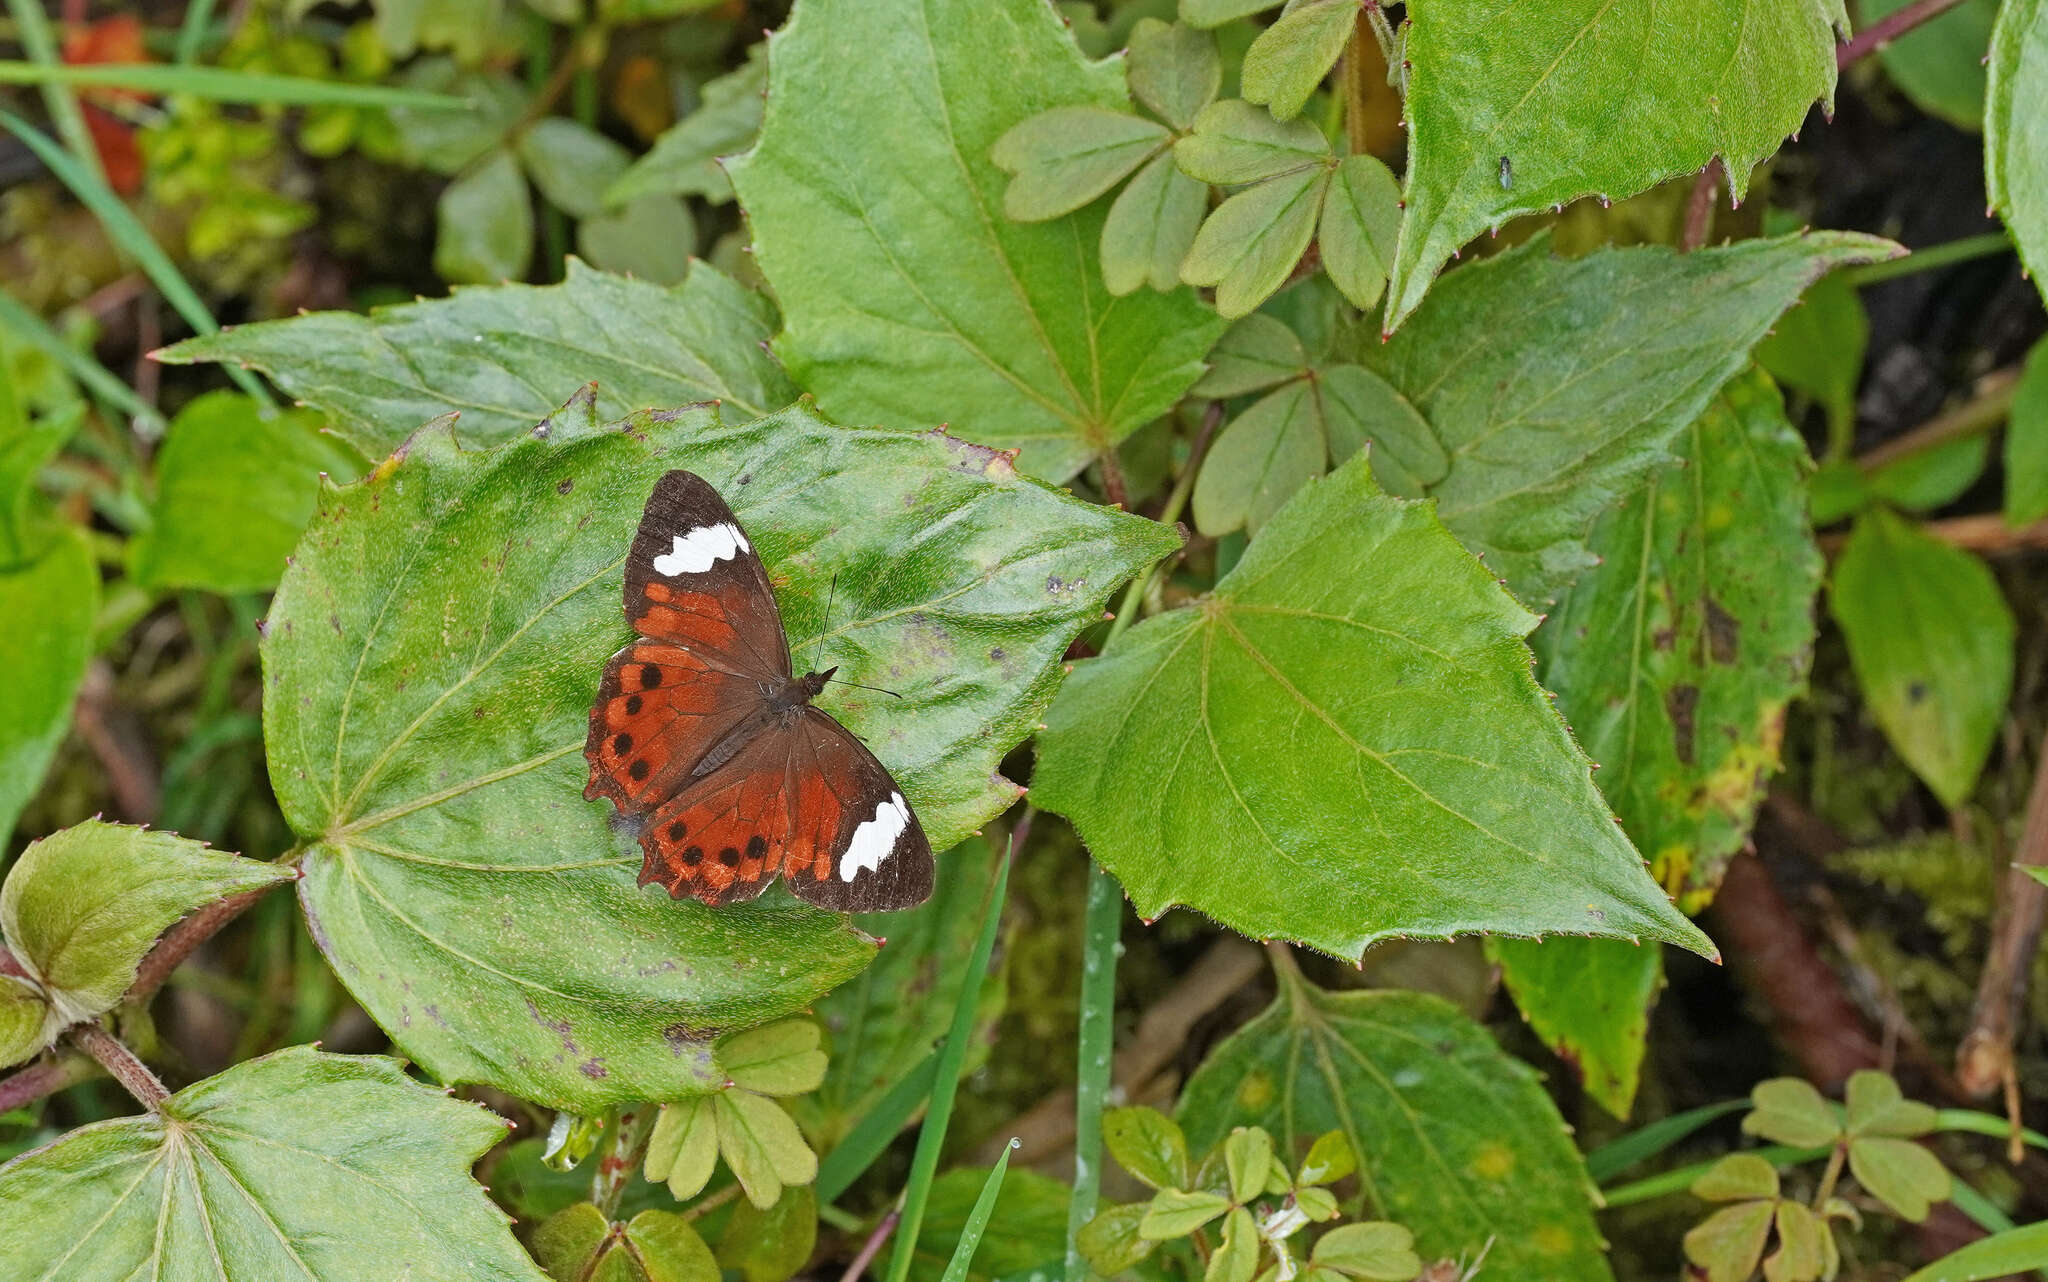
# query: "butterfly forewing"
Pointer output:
{"type": "Point", "coordinates": [701, 728]}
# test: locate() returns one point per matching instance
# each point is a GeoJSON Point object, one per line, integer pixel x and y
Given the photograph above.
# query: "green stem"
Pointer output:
{"type": "Point", "coordinates": [40, 43]}
{"type": "Point", "coordinates": [1828, 1177]}
{"type": "Point", "coordinates": [192, 32]}
{"type": "Point", "coordinates": [1924, 260]}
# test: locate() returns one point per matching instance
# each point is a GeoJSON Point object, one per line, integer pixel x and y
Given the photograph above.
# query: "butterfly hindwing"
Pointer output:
{"type": "Point", "coordinates": [856, 845]}
{"type": "Point", "coordinates": [693, 577]}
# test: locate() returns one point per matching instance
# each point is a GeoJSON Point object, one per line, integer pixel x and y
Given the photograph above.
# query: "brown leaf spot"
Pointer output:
{"type": "Point", "coordinates": [1724, 632]}
{"type": "Point", "coordinates": [1683, 702]}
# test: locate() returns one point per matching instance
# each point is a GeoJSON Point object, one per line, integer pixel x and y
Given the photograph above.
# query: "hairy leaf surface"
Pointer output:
{"type": "Point", "coordinates": [1591, 98]}
{"type": "Point", "coordinates": [1343, 743]}
{"type": "Point", "coordinates": [49, 604]}
{"type": "Point", "coordinates": [429, 668]}
{"type": "Point", "coordinates": [301, 1165]}
{"type": "Point", "coordinates": [910, 297]}
{"type": "Point", "coordinates": [504, 357]}
{"type": "Point", "coordinates": [1555, 385]}
{"type": "Point", "coordinates": [1455, 1140]}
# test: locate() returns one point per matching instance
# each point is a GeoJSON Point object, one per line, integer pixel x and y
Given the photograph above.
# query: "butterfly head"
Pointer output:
{"type": "Point", "coordinates": [809, 685]}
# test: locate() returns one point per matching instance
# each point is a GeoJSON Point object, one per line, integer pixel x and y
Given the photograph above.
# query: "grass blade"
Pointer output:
{"type": "Point", "coordinates": [221, 84]}
{"type": "Point", "coordinates": [881, 1124]}
{"type": "Point", "coordinates": [1969, 1119]}
{"type": "Point", "coordinates": [1101, 928]}
{"type": "Point", "coordinates": [977, 1220]}
{"type": "Point", "coordinates": [129, 236]}
{"type": "Point", "coordinates": [1681, 1178]}
{"type": "Point", "coordinates": [97, 378]}
{"type": "Point", "coordinates": [1611, 1159]}
{"type": "Point", "coordinates": [931, 1137]}
{"type": "Point", "coordinates": [192, 32]}
{"type": "Point", "coordinates": [32, 28]}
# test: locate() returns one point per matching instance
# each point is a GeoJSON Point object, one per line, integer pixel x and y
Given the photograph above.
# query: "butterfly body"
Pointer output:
{"type": "Point", "coordinates": [705, 735]}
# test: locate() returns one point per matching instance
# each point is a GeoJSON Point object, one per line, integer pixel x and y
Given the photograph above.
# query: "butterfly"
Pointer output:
{"type": "Point", "coordinates": [703, 732]}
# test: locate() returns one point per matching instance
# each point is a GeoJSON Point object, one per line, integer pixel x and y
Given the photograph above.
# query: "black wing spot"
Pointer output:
{"type": "Point", "coordinates": [650, 677]}
{"type": "Point", "coordinates": [633, 704]}
{"type": "Point", "coordinates": [729, 857]}
{"type": "Point", "coordinates": [677, 831]}
{"type": "Point", "coordinates": [756, 847]}
{"type": "Point", "coordinates": [638, 770]}
{"type": "Point", "coordinates": [622, 745]}
{"type": "Point", "coordinates": [693, 856]}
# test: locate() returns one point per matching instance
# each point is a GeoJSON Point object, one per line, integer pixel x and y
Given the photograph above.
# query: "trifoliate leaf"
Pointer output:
{"type": "Point", "coordinates": [1059, 160]}
{"type": "Point", "coordinates": [1151, 225]}
{"type": "Point", "coordinates": [1236, 1257]}
{"type": "Point", "coordinates": [1003, 325]}
{"type": "Point", "coordinates": [1147, 1143]}
{"type": "Point", "coordinates": [1361, 219]}
{"type": "Point", "coordinates": [1291, 57]}
{"type": "Point", "coordinates": [1788, 1110]}
{"type": "Point", "coordinates": [301, 1165]}
{"type": "Point", "coordinates": [81, 907]}
{"type": "Point", "coordinates": [1874, 1106]}
{"type": "Point", "coordinates": [1248, 1159]}
{"type": "Point", "coordinates": [771, 1245]}
{"type": "Point", "coordinates": [1173, 69]}
{"type": "Point", "coordinates": [1260, 459]}
{"type": "Point", "coordinates": [1405, 686]}
{"type": "Point", "coordinates": [1329, 1159]}
{"type": "Point", "coordinates": [780, 1059]}
{"type": "Point", "coordinates": [1250, 244]}
{"type": "Point", "coordinates": [1235, 142]}
{"type": "Point", "coordinates": [1931, 640]}
{"type": "Point", "coordinates": [1111, 1241]}
{"type": "Point", "coordinates": [1799, 1257]}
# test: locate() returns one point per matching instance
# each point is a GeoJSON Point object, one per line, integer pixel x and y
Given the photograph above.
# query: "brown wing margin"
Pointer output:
{"type": "Point", "coordinates": [845, 803]}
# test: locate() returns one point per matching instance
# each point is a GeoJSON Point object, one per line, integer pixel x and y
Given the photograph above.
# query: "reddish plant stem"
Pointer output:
{"type": "Point", "coordinates": [120, 1063]}
{"type": "Point", "coordinates": [1113, 486]}
{"type": "Point", "coordinates": [624, 1149]}
{"type": "Point", "coordinates": [11, 965]}
{"type": "Point", "coordinates": [1984, 1060]}
{"type": "Point", "coordinates": [1889, 28]}
{"type": "Point", "coordinates": [43, 1079]}
{"type": "Point", "coordinates": [1989, 404]}
{"type": "Point", "coordinates": [873, 1246]}
{"type": "Point", "coordinates": [181, 940]}
{"type": "Point", "coordinates": [1699, 210]}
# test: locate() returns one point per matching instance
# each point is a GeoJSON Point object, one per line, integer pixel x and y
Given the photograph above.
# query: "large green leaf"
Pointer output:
{"type": "Point", "coordinates": [235, 487]}
{"type": "Point", "coordinates": [1591, 98]}
{"type": "Point", "coordinates": [1343, 743]}
{"type": "Point", "coordinates": [2016, 130]}
{"type": "Point", "coordinates": [1555, 385]}
{"type": "Point", "coordinates": [1674, 660]}
{"type": "Point", "coordinates": [1931, 639]}
{"type": "Point", "coordinates": [429, 667]}
{"type": "Point", "coordinates": [505, 356]}
{"type": "Point", "coordinates": [297, 1165]}
{"type": "Point", "coordinates": [1455, 1140]}
{"type": "Point", "coordinates": [878, 217]}
{"type": "Point", "coordinates": [81, 907]}
{"type": "Point", "coordinates": [2026, 443]}
{"type": "Point", "coordinates": [885, 1022]}
{"type": "Point", "coordinates": [49, 605]}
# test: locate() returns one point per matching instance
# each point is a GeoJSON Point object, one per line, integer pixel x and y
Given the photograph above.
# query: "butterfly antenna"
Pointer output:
{"type": "Point", "coordinates": [841, 681]}
{"type": "Point", "coordinates": [824, 625]}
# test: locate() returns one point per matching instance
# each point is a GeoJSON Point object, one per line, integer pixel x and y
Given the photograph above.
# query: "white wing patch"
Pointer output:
{"type": "Point", "coordinates": [875, 838]}
{"type": "Point", "coordinates": [701, 549]}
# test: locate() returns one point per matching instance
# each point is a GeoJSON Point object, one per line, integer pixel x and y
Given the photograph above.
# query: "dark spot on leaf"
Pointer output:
{"type": "Point", "coordinates": [650, 677]}
{"type": "Point", "coordinates": [592, 1069]}
{"type": "Point", "coordinates": [693, 856]}
{"type": "Point", "coordinates": [1683, 702]}
{"type": "Point", "coordinates": [996, 654]}
{"type": "Point", "coordinates": [1662, 638]}
{"type": "Point", "coordinates": [1916, 692]}
{"type": "Point", "coordinates": [622, 744]}
{"type": "Point", "coordinates": [633, 705]}
{"type": "Point", "coordinates": [564, 486]}
{"type": "Point", "coordinates": [1724, 632]}
{"type": "Point", "coordinates": [729, 857]}
{"type": "Point", "coordinates": [678, 830]}
{"type": "Point", "coordinates": [756, 847]}
{"type": "Point", "coordinates": [638, 770]}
